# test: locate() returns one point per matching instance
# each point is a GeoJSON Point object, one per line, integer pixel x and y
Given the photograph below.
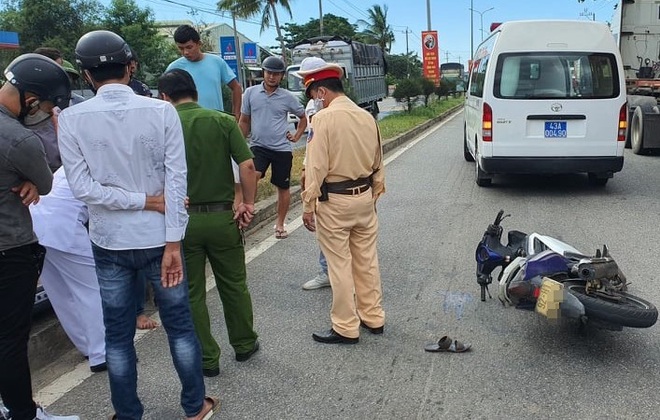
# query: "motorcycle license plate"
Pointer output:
{"type": "Point", "coordinates": [554, 129]}
{"type": "Point", "coordinates": [550, 298]}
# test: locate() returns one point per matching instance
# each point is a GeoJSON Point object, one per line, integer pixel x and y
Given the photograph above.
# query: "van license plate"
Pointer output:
{"type": "Point", "coordinates": [554, 129]}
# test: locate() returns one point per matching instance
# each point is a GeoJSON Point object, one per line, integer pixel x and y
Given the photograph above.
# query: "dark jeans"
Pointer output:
{"type": "Point", "coordinates": [118, 273]}
{"type": "Point", "coordinates": [19, 271]}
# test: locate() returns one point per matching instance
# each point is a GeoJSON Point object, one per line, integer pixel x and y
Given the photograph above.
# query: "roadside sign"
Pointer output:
{"type": "Point", "coordinates": [250, 53]}
{"type": "Point", "coordinates": [430, 56]}
{"type": "Point", "coordinates": [8, 40]}
{"type": "Point", "coordinates": [228, 52]}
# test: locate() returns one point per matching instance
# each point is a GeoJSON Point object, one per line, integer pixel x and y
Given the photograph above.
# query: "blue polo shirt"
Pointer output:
{"type": "Point", "coordinates": [268, 116]}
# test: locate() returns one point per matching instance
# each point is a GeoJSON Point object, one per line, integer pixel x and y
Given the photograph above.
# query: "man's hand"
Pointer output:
{"type": "Point", "coordinates": [155, 203]}
{"type": "Point", "coordinates": [292, 137]}
{"type": "Point", "coordinates": [171, 268]}
{"type": "Point", "coordinates": [244, 214]}
{"type": "Point", "coordinates": [309, 222]}
{"type": "Point", "coordinates": [28, 192]}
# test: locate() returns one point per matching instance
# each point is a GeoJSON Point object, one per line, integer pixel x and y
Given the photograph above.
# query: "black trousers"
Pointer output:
{"type": "Point", "coordinates": [19, 271]}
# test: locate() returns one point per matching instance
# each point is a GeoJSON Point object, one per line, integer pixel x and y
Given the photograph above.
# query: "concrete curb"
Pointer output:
{"type": "Point", "coordinates": [48, 341]}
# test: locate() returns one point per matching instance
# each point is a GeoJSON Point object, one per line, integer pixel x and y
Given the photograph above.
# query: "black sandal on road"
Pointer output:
{"type": "Point", "coordinates": [446, 344]}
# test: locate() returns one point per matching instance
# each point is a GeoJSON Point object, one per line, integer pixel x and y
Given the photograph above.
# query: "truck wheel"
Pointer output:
{"type": "Point", "coordinates": [637, 131]}
{"type": "Point", "coordinates": [375, 110]}
{"type": "Point", "coordinates": [466, 151]}
{"type": "Point", "coordinates": [480, 177]}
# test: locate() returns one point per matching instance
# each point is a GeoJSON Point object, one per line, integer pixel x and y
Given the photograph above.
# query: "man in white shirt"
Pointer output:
{"type": "Point", "coordinates": [124, 157]}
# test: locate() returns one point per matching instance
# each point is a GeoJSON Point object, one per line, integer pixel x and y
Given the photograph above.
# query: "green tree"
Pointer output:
{"type": "Point", "coordinates": [249, 8]}
{"type": "Point", "coordinates": [407, 91]}
{"type": "Point", "coordinates": [402, 66]}
{"type": "Point", "coordinates": [336, 25]}
{"type": "Point", "coordinates": [378, 31]}
{"type": "Point", "coordinates": [53, 23]}
{"type": "Point", "coordinates": [137, 27]}
{"type": "Point", "coordinates": [445, 88]}
{"type": "Point", "coordinates": [427, 87]}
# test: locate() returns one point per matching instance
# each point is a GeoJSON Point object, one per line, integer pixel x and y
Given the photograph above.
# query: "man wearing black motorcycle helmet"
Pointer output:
{"type": "Point", "coordinates": [35, 85]}
{"type": "Point", "coordinates": [137, 216]}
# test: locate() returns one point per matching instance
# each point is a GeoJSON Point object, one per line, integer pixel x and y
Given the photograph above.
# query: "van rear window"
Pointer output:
{"type": "Point", "coordinates": [556, 75]}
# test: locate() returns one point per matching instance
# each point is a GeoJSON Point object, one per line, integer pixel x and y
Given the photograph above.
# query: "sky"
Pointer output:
{"type": "Point", "coordinates": [408, 18]}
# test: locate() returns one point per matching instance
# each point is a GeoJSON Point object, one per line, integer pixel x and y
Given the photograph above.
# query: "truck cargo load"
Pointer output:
{"type": "Point", "coordinates": [364, 68]}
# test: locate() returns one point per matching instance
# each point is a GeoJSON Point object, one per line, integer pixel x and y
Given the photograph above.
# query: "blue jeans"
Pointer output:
{"type": "Point", "coordinates": [323, 263]}
{"type": "Point", "coordinates": [118, 272]}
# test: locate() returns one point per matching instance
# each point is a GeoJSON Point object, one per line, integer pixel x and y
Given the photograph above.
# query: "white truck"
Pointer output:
{"type": "Point", "coordinates": [364, 68]}
{"type": "Point", "coordinates": [636, 28]}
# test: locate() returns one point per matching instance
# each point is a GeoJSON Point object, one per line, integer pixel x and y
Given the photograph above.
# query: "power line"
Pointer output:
{"type": "Point", "coordinates": [344, 10]}
{"type": "Point", "coordinates": [357, 9]}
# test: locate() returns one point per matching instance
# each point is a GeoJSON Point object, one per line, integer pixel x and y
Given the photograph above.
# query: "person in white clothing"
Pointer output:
{"type": "Point", "coordinates": [69, 273]}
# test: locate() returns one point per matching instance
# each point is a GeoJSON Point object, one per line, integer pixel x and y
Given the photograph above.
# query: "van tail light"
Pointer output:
{"type": "Point", "coordinates": [623, 123]}
{"type": "Point", "coordinates": [487, 123]}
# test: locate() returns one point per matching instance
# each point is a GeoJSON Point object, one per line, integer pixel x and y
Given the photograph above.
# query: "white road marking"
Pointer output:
{"type": "Point", "coordinates": [65, 383]}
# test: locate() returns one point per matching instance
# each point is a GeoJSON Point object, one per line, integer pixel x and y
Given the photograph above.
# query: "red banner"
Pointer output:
{"type": "Point", "coordinates": [430, 56]}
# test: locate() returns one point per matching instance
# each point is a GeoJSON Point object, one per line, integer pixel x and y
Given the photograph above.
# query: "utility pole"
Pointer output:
{"type": "Point", "coordinates": [407, 57]}
{"type": "Point", "coordinates": [321, 16]}
{"type": "Point", "coordinates": [446, 56]}
{"type": "Point", "coordinates": [471, 29]}
{"type": "Point", "coordinates": [239, 62]}
{"type": "Point", "coordinates": [428, 15]}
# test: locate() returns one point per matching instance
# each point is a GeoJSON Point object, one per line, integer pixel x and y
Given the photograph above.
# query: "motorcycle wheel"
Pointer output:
{"type": "Point", "coordinates": [631, 311]}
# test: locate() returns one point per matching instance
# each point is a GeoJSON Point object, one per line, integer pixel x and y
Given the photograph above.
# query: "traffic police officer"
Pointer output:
{"type": "Point", "coordinates": [344, 171]}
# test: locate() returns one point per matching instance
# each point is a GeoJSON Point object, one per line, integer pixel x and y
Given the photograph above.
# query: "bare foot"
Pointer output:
{"type": "Point", "coordinates": [145, 323]}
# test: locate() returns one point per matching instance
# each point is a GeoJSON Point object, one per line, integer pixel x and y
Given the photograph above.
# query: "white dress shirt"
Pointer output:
{"type": "Point", "coordinates": [59, 219]}
{"type": "Point", "coordinates": [117, 148]}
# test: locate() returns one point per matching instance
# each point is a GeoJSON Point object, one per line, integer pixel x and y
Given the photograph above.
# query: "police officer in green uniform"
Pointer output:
{"type": "Point", "coordinates": [212, 138]}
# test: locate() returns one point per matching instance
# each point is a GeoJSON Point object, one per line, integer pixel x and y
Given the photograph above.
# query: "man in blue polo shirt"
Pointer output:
{"type": "Point", "coordinates": [209, 71]}
{"type": "Point", "coordinates": [264, 114]}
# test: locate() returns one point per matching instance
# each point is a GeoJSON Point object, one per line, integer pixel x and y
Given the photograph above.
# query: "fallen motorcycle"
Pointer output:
{"type": "Point", "coordinates": [556, 280]}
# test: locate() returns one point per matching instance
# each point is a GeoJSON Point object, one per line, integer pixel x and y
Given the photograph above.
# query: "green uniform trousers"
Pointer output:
{"type": "Point", "coordinates": [215, 236]}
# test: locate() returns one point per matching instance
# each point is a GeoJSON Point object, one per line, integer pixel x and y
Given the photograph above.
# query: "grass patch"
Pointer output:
{"type": "Point", "coordinates": [390, 126]}
{"type": "Point", "coordinates": [395, 124]}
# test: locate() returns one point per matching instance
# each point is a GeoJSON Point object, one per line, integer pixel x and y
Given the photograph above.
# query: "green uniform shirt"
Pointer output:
{"type": "Point", "coordinates": [212, 138]}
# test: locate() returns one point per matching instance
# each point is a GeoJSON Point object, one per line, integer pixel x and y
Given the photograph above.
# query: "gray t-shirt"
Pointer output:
{"type": "Point", "coordinates": [268, 116]}
{"type": "Point", "coordinates": [22, 158]}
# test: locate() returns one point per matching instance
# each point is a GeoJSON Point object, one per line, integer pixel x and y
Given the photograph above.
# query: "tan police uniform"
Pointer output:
{"type": "Point", "coordinates": [345, 146]}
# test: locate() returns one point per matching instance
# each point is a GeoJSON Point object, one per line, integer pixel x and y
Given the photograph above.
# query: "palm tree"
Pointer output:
{"type": "Point", "coordinates": [249, 8]}
{"type": "Point", "coordinates": [378, 31]}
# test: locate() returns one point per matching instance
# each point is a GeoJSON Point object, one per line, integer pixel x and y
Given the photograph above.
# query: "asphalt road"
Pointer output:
{"type": "Point", "coordinates": [431, 218]}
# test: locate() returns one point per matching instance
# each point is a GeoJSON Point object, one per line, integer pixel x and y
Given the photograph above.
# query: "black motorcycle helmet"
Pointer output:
{"type": "Point", "coordinates": [98, 48]}
{"type": "Point", "coordinates": [273, 65]}
{"type": "Point", "coordinates": [41, 76]}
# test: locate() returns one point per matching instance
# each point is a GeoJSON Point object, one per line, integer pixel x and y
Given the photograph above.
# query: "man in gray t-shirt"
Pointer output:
{"type": "Point", "coordinates": [264, 114]}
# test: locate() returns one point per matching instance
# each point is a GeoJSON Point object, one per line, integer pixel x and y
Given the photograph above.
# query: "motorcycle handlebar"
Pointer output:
{"type": "Point", "coordinates": [499, 218]}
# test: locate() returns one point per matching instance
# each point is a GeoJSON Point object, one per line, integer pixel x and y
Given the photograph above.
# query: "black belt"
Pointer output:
{"type": "Point", "coordinates": [350, 187]}
{"type": "Point", "coordinates": [350, 191]}
{"type": "Point", "coordinates": [209, 208]}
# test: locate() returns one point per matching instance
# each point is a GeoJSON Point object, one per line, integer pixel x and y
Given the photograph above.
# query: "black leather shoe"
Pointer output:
{"type": "Point", "coordinates": [373, 330]}
{"type": "Point", "coordinates": [331, 337]}
{"type": "Point", "coordinates": [101, 367]}
{"type": "Point", "coordinates": [212, 372]}
{"type": "Point", "coordinates": [242, 357]}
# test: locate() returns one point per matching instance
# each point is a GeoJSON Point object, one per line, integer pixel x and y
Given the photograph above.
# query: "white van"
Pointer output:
{"type": "Point", "coordinates": [546, 97]}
